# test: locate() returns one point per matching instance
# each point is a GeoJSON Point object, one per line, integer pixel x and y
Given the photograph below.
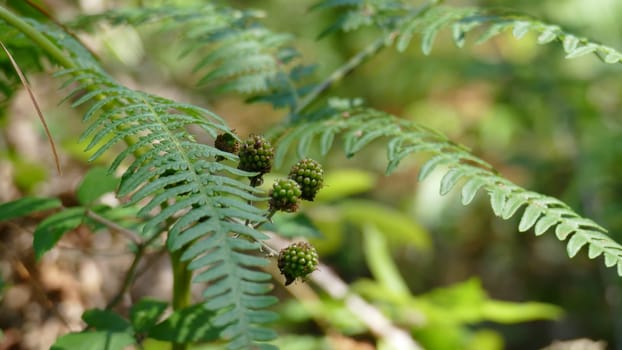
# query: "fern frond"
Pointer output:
{"type": "Point", "coordinates": [494, 22]}
{"type": "Point", "coordinates": [238, 54]}
{"type": "Point", "coordinates": [29, 56]}
{"type": "Point", "coordinates": [183, 189]}
{"type": "Point", "coordinates": [360, 126]}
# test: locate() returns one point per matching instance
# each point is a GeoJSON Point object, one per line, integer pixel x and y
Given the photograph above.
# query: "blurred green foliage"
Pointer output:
{"type": "Point", "coordinates": [438, 268]}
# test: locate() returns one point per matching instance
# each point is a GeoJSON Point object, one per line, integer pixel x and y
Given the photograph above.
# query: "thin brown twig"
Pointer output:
{"type": "Point", "coordinates": [22, 78]}
{"type": "Point", "coordinates": [131, 235]}
{"type": "Point", "coordinates": [131, 273]}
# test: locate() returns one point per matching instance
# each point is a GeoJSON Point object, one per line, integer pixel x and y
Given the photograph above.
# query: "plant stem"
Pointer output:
{"type": "Point", "coordinates": [128, 279]}
{"type": "Point", "coordinates": [130, 275]}
{"type": "Point", "coordinates": [182, 278]}
{"type": "Point", "coordinates": [37, 37]}
{"type": "Point", "coordinates": [358, 59]}
{"type": "Point", "coordinates": [344, 70]}
{"type": "Point", "coordinates": [129, 234]}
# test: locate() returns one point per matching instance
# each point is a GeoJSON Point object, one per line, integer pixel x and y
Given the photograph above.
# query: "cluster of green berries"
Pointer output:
{"type": "Point", "coordinates": [297, 261]}
{"type": "Point", "coordinates": [305, 179]}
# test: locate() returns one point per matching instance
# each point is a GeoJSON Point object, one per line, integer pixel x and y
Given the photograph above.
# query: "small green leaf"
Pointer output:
{"type": "Point", "coordinates": [497, 201]}
{"type": "Point", "coordinates": [493, 30]}
{"type": "Point", "coordinates": [563, 230]}
{"type": "Point", "coordinates": [582, 50]}
{"type": "Point", "coordinates": [304, 143]}
{"type": "Point", "coordinates": [26, 205]}
{"type": "Point", "coordinates": [458, 34]}
{"type": "Point", "coordinates": [146, 313]}
{"type": "Point", "coordinates": [427, 40]}
{"type": "Point", "coordinates": [511, 206]}
{"type": "Point", "coordinates": [544, 224]}
{"type": "Point", "coordinates": [403, 41]}
{"type": "Point", "coordinates": [594, 251]}
{"type": "Point", "coordinates": [449, 180]}
{"type": "Point", "coordinates": [531, 214]}
{"type": "Point", "coordinates": [95, 183]}
{"type": "Point", "coordinates": [520, 29]}
{"type": "Point", "coordinates": [105, 320]}
{"type": "Point", "coordinates": [570, 43]}
{"type": "Point", "coordinates": [98, 340]}
{"type": "Point", "coordinates": [610, 259]}
{"type": "Point", "coordinates": [575, 243]}
{"type": "Point", "coordinates": [191, 324]}
{"type": "Point", "coordinates": [50, 230]}
{"type": "Point", "coordinates": [613, 57]}
{"type": "Point", "coordinates": [469, 190]}
{"type": "Point", "coordinates": [326, 141]}
{"type": "Point", "coordinates": [432, 163]}
{"type": "Point", "coordinates": [547, 36]}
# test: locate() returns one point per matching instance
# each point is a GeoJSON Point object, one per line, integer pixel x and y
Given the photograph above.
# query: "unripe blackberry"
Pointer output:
{"type": "Point", "coordinates": [309, 175]}
{"type": "Point", "coordinates": [227, 142]}
{"type": "Point", "coordinates": [284, 196]}
{"type": "Point", "coordinates": [256, 155]}
{"type": "Point", "coordinates": [297, 261]}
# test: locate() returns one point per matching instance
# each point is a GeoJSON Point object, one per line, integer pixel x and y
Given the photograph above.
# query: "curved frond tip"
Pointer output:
{"type": "Point", "coordinates": [463, 20]}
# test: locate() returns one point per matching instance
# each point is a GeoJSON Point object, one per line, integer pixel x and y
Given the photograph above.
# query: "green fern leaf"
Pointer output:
{"type": "Point", "coordinates": [544, 224]}
{"type": "Point", "coordinates": [470, 189]}
{"type": "Point", "coordinates": [185, 190]}
{"type": "Point", "coordinates": [450, 179]}
{"type": "Point", "coordinates": [531, 214]}
{"type": "Point", "coordinates": [362, 126]}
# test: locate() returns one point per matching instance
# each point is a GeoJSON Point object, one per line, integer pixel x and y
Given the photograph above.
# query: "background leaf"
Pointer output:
{"type": "Point", "coordinates": [94, 340]}
{"type": "Point", "coordinates": [50, 230]}
{"type": "Point", "coordinates": [96, 182]}
{"type": "Point", "coordinates": [105, 320]}
{"type": "Point", "coordinates": [26, 205]}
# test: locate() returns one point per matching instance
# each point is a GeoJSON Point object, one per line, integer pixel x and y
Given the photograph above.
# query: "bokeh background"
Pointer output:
{"type": "Point", "coordinates": [549, 124]}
